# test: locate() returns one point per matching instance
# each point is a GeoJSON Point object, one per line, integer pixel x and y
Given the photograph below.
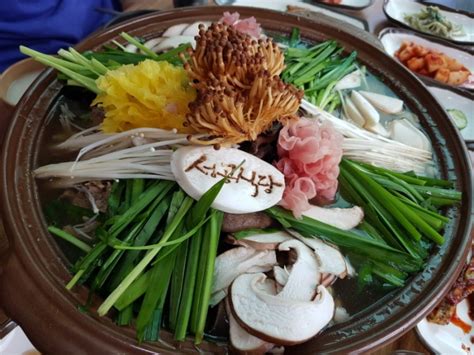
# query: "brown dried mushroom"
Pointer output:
{"type": "Point", "coordinates": [240, 93]}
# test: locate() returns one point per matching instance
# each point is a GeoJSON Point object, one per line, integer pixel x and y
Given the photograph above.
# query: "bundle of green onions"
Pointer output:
{"type": "Point", "coordinates": [84, 69]}
{"type": "Point", "coordinates": [317, 70]}
{"type": "Point", "coordinates": [148, 251]}
{"type": "Point", "coordinates": [401, 220]}
{"type": "Point", "coordinates": [403, 203]}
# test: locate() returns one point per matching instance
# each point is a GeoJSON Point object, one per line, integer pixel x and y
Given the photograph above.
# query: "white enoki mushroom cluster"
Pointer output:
{"type": "Point", "coordinates": [362, 145]}
{"type": "Point", "coordinates": [138, 153]}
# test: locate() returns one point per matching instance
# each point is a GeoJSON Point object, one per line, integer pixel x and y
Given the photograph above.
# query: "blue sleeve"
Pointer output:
{"type": "Point", "coordinates": [47, 25]}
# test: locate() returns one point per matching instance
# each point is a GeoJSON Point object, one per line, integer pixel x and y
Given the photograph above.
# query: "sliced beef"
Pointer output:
{"type": "Point", "coordinates": [264, 147]}
{"type": "Point", "coordinates": [237, 222]}
{"type": "Point", "coordinates": [85, 231]}
{"type": "Point", "coordinates": [97, 115]}
{"type": "Point", "coordinates": [89, 195]}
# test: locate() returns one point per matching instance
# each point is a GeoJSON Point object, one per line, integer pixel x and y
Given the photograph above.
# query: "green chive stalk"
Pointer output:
{"type": "Point", "coordinates": [84, 69]}
{"type": "Point", "coordinates": [150, 255]}
{"type": "Point", "coordinates": [213, 232]}
{"type": "Point", "coordinates": [317, 70]}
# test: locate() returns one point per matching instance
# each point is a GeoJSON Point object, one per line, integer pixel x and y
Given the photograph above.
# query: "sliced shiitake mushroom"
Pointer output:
{"type": "Point", "coordinates": [304, 276]}
{"type": "Point", "coordinates": [342, 218]}
{"type": "Point", "coordinates": [241, 340]}
{"type": "Point", "coordinates": [330, 259]}
{"type": "Point", "coordinates": [235, 262]}
{"type": "Point", "coordinates": [265, 241]}
{"type": "Point", "coordinates": [277, 319]}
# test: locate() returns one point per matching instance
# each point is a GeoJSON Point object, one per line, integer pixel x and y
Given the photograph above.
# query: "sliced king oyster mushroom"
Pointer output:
{"type": "Point", "coordinates": [330, 260]}
{"type": "Point", "coordinates": [405, 132]}
{"type": "Point", "coordinates": [241, 340]}
{"type": "Point", "coordinates": [384, 103]}
{"type": "Point", "coordinates": [350, 81]}
{"type": "Point", "coordinates": [197, 169]}
{"type": "Point", "coordinates": [235, 262]}
{"type": "Point", "coordinates": [304, 276]}
{"type": "Point", "coordinates": [366, 109]}
{"type": "Point", "coordinates": [277, 319]}
{"type": "Point", "coordinates": [379, 129]}
{"type": "Point", "coordinates": [152, 43]}
{"type": "Point", "coordinates": [175, 30]}
{"type": "Point", "coordinates": [342, 218]}
{"type": "Point", "coordinates": [264, 241]}
{"type": "Point", "coordinates": [352, 113]}
{"type": "Point", "coordinates": [193, 29]}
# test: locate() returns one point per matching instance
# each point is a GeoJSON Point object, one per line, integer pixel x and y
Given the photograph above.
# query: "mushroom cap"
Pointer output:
{"type": "Point", "coordinates": [263, 241]}
{"type": "Point", "coordinates": [304, 276]}
{"type": "Point", "coordinates": [277, 319]}
{"type": "Point", "coordinates": [235, 262]}
{"type": "Point", "coordinates": [329, 258]}
{"type": "Point", "coordinates": [281, 274]}
{"type": "Point", "coordinates": [256, 186]}
{"type": "Point", "coordinates": [243, 341]}
{"type": "Point", "coordinates": [342, 218]}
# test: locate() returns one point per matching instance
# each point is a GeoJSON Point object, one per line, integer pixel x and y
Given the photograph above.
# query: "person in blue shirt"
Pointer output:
{"type": "Point", "coordinates": [48, 25]}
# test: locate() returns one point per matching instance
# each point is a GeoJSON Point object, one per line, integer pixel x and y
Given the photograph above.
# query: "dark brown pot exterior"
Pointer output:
{"type": "Point", "coordinates": [32, 280]}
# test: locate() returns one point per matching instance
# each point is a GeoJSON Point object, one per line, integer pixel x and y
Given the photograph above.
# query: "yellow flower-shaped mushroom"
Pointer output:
{"type": "Point", "coordinates": [149, 94]}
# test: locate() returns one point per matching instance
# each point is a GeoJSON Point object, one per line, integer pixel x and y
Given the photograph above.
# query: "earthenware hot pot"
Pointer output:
{"type": "Point", "coordinates": [35, 271]}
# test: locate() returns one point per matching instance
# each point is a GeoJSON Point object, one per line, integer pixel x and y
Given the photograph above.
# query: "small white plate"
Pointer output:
{"type": "Point", "coordinates": [451, 100]}
{"type": "Point", "coordinates": [392, 39]}
{"type": "Point", "coordinates": [397, 9]}
{"type": "Point", "coordinates": [354, 4]}
{"type": "Point", "coordinates": [448, 339]}
{"type": "Point", "coordinates": [281, 5]}
{"type": "Point", "coordinates": [16, 343]}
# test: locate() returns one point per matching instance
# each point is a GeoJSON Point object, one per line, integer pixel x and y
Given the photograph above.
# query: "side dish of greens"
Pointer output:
{"type": "Point", "coordinates": [432, 21]}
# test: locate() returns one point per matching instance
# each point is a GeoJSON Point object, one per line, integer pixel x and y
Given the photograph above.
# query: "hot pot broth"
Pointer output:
{"type": "Point", "coordinates": [356, 294]}
{"type": "Point", "coordinates": [351, 295]}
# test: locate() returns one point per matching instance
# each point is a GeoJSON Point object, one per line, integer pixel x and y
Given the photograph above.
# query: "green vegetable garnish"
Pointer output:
{"type": "Point", "coordinates": [431, 20]}
{"type": "Point", "coordinates": [317, 70]}
{"type": "Point", "coordinates": [84, 69]}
